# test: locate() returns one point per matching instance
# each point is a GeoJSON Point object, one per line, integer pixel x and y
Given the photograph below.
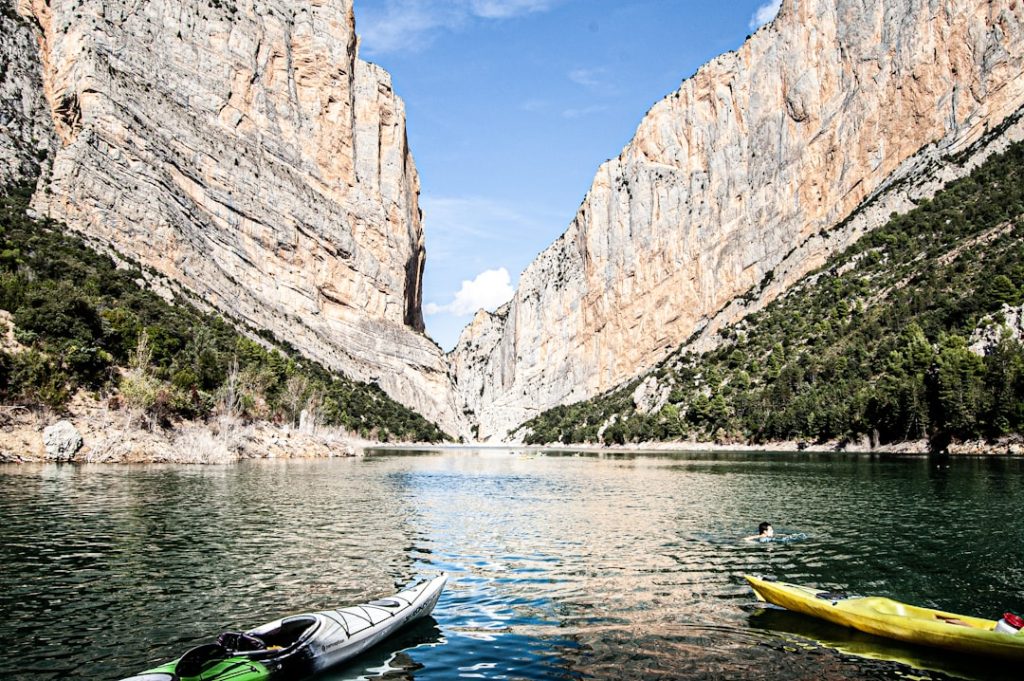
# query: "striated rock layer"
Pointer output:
{"type": "Point", "coordinates": [241, 149]}
{"type": "Point", "coordinates": [26, 132]}
{"type": "Point", "coordinates": [739, 183]}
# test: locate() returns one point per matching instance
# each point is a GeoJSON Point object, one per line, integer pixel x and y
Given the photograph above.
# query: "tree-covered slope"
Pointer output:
{"type": "Point", "coordinates": [874, 344]}
{"type": "Point", "coordinates": [80, 322]}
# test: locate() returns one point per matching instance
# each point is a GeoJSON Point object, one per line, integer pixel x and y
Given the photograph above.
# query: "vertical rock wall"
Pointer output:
{"type": "Point", "coordinates": [731, 183]}
{"type": "Point", "coordinates": [243, 150]}
{"type": "Point", "coordinates": [26, 133]}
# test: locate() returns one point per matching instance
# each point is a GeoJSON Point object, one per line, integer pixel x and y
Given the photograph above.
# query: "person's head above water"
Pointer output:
{"type": "Point", "coordinates": [765, 533]}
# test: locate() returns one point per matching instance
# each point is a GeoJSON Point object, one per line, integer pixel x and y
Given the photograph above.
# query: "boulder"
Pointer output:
{"type": "Point", "coordinates": [62, 441]}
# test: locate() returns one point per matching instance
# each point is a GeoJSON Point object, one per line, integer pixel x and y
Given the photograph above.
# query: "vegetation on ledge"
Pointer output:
{"type": "Point", "coordinates": [80, 322]}
{"type": "Point", "coordinates": [873, 345]}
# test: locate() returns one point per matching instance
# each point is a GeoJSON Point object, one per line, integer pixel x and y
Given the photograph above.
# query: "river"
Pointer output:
{"type": "Point", "coordinates": [562, 565]}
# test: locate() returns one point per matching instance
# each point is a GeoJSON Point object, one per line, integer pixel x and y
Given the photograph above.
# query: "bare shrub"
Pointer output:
{"type": "Point", "coordinates": [229, 403]}
{"type": "Point", "coordinates": [293, 399]}
{"type": "Point", "coordinates": [198, 444]}
{"type": "Point", "coordinates": [244, 393]}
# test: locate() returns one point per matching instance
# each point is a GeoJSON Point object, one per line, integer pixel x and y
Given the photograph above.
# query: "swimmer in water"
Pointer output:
{"type": "Point", "coordinates": [765, 532]}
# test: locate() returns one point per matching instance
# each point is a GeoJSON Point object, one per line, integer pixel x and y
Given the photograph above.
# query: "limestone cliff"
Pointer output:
{"type": "Point", "coordinates": [762, 164]}
{"type": "Point", "coordinates": [26, 133]}
{"type": "Point", "coordinates": [241, 149]}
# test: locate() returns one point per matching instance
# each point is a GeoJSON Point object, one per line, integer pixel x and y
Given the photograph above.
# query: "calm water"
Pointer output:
{"type": "Point", "coordinates": [562, 567]}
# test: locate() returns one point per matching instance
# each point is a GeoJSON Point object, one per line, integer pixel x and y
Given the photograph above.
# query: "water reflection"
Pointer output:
{"type": "Point", "coordinates": [808, 634]}
{"type": "Point", "coordinates": [393, 661]}
{"type": "Point", "coordinates": [563, 566]}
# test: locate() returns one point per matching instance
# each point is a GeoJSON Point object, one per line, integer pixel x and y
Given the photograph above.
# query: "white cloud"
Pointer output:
{"type": "Point", "coordinates": [489, 290]}
{"type": "Point", "coordinates": [503, 9]}
{"type": "Point", "coordinates": [591, 78]}
{"type": "Point", "coordinates": [410, 25]}
{"type": "Point", "coordinates": [585, 111]}
{"type": "Point", "coordinates": [488, 227]}
{"type": "Point", "coordinates": [764, 14]}
{"type": "Point", "coordinates": [596, 80]}
{"type": "Point", "coordinates": [456, 218]}
{"type": "Point", "coordinates": [402, 26]}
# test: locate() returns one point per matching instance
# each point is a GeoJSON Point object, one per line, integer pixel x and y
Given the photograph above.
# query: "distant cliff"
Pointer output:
{"type": "Point", "coordinates": [242, 150]}
{"type": "Point", "coordinates": [763, 164]}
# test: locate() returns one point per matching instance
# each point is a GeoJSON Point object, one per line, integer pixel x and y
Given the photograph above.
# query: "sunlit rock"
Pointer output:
{"type": "Point", "coordinates": [61, 441]}
{"type": "Point", "coordinates": [760, 166]}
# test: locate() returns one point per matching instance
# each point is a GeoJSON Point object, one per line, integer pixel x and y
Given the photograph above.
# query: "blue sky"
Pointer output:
{"type": "Point", "coordinates": [513, 104]}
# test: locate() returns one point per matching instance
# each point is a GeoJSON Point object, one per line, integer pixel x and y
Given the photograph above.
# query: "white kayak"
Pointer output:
{"type": "Point", "coordinates": [333, 636]}
{"type": "Point", "coordinates": [302, 645]}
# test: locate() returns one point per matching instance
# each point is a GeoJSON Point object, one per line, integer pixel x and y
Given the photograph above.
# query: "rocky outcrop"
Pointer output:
{"type": "Point", "coordinates": [749, 176]}
{"type": "Point", "coordinates": [26, 133]}
{"type": "Point", "coordinates": [61, 441]}
{"type": "Point", "coordinates": [242, 150]}
{"type": "Point", "coordinates": [992, 329]}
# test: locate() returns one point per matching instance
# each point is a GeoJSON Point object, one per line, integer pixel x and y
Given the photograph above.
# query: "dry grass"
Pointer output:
{"type": "Point", "coordinates": [199, 444]}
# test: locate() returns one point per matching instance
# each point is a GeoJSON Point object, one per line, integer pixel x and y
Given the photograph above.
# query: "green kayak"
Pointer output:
{"type": "Point", "coordinates": [197, 666]}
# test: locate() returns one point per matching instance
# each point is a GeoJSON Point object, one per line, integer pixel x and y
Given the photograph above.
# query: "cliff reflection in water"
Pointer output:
{"type": "Point", "coordinates": [562, 567]}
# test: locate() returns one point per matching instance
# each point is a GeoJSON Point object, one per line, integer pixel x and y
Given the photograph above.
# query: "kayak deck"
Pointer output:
{"type": "Point", "coordinates": [892, 619]}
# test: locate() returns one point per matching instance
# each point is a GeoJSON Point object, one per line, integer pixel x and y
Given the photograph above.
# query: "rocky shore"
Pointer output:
{"type": "Point", "coordinates": [93, 433]}
{"type": "Point", "coordinates": [1005, 447]}
{"type": "Point", "coordinates": [1013, 446]}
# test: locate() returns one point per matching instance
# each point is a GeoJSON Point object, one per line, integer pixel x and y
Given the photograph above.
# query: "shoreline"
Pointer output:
{"type": "Point", "coordinates": [1012, 446]}
{"type": "Point", "coordinates": [110, 436]}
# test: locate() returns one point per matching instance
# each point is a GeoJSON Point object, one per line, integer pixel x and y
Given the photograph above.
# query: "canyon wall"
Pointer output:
{"type": "Point", "coordinates": [762, 164]}
{"type": "Point", "coordinates": [241, 149]}
{"type": "Point", "coordinates": [26, 131]}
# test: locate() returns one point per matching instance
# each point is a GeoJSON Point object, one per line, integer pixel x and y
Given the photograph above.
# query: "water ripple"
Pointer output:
{"type": "Point", "coordinates": [562, 567]}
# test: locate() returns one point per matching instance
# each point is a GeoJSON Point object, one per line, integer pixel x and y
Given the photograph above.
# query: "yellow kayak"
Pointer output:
{"type": "Point", "coordinates": [892, 619]}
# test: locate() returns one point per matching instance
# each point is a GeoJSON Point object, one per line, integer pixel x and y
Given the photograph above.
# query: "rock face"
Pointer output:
{"type": "Point", "coordinates": [991, 331]}
{"type": "Point", "coordinates": [742, 181]}
{"type": "Point", "coordinates": [241, 149]}
{"type": "Point", "coordinates": [62, 441]}
{"type": "Point", "coordinates": [26, 132]}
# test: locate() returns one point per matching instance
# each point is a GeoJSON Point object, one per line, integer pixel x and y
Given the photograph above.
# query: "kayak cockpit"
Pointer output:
{"type": "Point", "coordinates": [270, 640]}
{"type": "Point", "coordinates": [285, 633]}
{"type": "Point", "coordinates": [886, 606]}
{"type": "Point", "coordinates": [200, 658]}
